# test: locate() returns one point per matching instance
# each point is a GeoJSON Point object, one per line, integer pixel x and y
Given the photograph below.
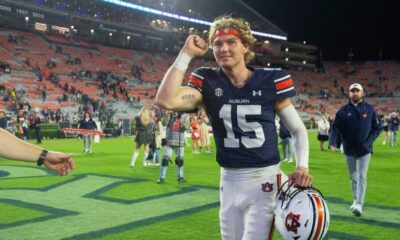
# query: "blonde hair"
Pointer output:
{"type": "Point", "coordinates": [240, 25]}
{"type": "Point", "coordinates": [145, 116]}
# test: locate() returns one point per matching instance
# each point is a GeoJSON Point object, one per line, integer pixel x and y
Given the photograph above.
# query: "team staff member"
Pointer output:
{"type": "Point", "coordinates": [241, 103]}
{"type": "Point", "coordinates": [16, 149]}
{"type": "Point", "coordinates": [358, 125]}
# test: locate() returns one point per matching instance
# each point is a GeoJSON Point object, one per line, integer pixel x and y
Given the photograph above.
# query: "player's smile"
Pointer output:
{"type": "Point", "coordinates": [227, 48]}
{"type": "Point", "coordinates": [224, 57]}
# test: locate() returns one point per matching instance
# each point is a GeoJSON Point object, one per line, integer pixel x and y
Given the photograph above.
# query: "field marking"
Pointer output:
{"type": "Point", "coordinates": [77, 210]}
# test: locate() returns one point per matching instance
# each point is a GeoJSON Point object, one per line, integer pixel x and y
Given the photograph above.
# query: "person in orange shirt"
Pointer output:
{"type": "Point", "coordinates": [195, 135]}
{"type": "Point", "coordinates": [204, 134]}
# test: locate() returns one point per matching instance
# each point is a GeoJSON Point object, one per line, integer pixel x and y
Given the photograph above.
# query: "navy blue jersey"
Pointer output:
{"type": "Point", "coordinates": [243, 119]}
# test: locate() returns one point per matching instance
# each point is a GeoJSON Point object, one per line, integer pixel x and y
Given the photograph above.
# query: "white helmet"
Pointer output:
{"type": "Point", "coordinates": [301, 213]}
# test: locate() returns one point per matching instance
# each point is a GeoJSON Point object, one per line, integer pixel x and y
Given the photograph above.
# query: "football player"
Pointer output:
{"type": "Point", "coordinates": [241, 103]}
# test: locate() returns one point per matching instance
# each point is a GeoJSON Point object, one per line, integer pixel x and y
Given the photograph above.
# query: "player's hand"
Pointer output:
{"type": "Point", "coordinates": [195, 46]}
{"type": "Point", "coordinates": [59, 162]}
{"type": "Point", "coordinates": [332, 148]}
{"type": "Point", "coordinates": [300, 177]}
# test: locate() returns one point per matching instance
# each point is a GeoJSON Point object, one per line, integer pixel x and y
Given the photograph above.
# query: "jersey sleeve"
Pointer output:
{"type": "Point", "coordinates": [284, 85]}
{"type": "Point", "coordinates": [196, 79]}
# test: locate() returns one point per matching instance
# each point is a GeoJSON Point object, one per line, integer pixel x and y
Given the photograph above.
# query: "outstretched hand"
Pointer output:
{"type": "Point", "coordinates": [59, 162]}
{"type": "Point", "coordinates": [300, 177]}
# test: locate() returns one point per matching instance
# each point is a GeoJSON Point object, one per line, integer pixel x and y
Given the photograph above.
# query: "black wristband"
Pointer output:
{"type": "Point", "coordinates": [42, 157]}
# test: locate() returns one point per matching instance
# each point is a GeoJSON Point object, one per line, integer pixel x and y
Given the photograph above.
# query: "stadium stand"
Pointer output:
{"type": "Point", "coordinates": [318, 92]}
{"type": "Point", "coordinates": [70, 71]}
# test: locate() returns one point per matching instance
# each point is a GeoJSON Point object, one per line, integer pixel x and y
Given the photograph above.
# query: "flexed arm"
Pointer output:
{"type": "Point", "coordinates": [172, 95]}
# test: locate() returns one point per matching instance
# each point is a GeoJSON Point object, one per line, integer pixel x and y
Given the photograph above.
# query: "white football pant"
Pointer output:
{"type": "Point", "coordinates": [247, 198]}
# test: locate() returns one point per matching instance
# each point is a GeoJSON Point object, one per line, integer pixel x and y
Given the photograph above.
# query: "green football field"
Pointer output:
{"type": "Point", "coordinates": [104, 198]}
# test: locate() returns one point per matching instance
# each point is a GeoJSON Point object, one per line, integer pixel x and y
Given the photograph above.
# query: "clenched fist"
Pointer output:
{"type": "Point", "coordinates": [195, 46]}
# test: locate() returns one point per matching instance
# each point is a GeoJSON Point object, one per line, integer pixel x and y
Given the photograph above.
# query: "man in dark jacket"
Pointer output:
{"type": "Point", "coordinates": [87, 123]}
{"type": "Point", "coordinates": [358, 125]}
{"type": "Point", "coordinates": [3, 120]}
{"type": "Point", "coordinates": [36, 122]}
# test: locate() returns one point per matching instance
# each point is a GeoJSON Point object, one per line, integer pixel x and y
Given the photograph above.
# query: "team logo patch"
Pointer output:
{"type": "Point", "coordinates": [257, 93]}
{"type": "Point", "coordinates": [267, 187]}
{"type": "Point", "coordinates": [364, 115]}
{"type": "Point", "coordinates": [292, 222]}
{"type": "Point", "coordinates": [219, 92]}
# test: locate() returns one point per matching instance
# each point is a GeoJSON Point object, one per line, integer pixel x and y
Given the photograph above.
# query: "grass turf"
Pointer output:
{"type": "Point", "coordinates": [106, 199]}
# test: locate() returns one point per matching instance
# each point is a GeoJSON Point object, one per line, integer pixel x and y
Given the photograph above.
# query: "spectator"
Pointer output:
{"type": "Point", "coordinates": [23, 129]}
{"type": "Point", "coordinates": [3, 120]}
{"type": "Point", "coordinates": [195, 135]}
{"type": "Point", "coordinates": [144, 135]}
{"type": "Point", "coordinates": [385, 126]}
{"type": "Point", "coordinates": [394, 128]}
{"type": "Point", "coordinates": [87, 123]}
{"type": "Point", "coordinates": [323, 131]}
{"type": "Point", "coordinates": [204, 134]}
{"type": "Point", "coordinates": [287, 143]}
{"type": "Point", "coordinates": [36, 122]}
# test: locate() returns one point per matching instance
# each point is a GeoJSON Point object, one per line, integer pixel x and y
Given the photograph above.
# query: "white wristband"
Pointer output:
{"type": "Point", "coordinates": [182, 61]}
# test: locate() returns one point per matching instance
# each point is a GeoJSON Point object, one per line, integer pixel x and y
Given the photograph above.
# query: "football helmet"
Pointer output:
{"type": "Point", "coordinates": [301, 213]}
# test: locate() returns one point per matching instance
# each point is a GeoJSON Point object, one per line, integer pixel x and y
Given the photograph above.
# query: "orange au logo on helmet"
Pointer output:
{"type": "Point", "coordinates": [292, 222]}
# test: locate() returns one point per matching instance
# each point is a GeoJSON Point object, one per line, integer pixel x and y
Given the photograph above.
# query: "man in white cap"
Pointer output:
{"type": "Point", "coordinates": [357, 124]}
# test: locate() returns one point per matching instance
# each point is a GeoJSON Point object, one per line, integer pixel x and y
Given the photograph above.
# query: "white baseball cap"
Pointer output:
{"type": "Point", "coordinates": [356, 86]}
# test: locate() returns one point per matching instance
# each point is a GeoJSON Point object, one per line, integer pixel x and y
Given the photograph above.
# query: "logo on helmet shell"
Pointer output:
{"type": "Point", "coordinates": [292, 222]}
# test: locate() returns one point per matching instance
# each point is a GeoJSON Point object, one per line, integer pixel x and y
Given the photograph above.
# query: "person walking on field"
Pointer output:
{"type": "Point", "coordinates": [204, 134]}
{"type": "Point", "coordinates": [358, 125]}
{"type": "Point", "coordinates": [87, 123]}
{"type": "Point", "coordinates": [323, 131]}
{"type": "Point", "coordinates": [144, 135]}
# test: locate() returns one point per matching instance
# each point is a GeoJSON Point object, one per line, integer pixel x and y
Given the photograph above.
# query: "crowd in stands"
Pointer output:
{"type": "Point", "coordinates": [53, 76]}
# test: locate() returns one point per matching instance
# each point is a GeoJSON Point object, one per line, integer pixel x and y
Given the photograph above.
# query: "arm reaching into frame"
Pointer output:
{"type": "Point", "coordinates": [16, 149]}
